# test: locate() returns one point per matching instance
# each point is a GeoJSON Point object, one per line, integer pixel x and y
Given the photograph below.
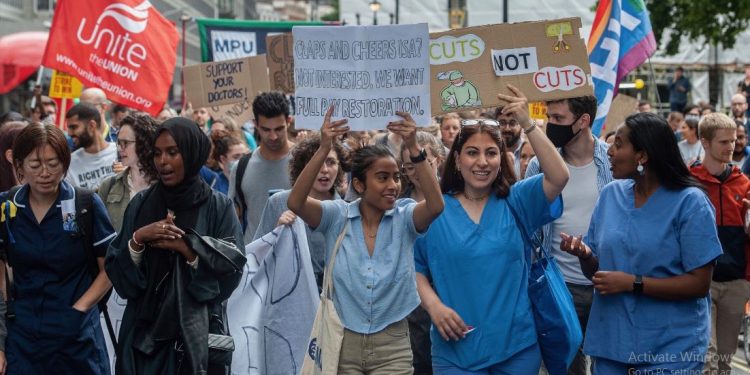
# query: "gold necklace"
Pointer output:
{"type": "Point", "coordinates": [475, 199]}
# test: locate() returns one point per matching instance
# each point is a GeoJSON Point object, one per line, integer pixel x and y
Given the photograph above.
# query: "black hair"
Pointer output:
{"type": "Point", "coordinates": [85, 112]}
{"type": "Point", "coordinates": [8, 135]}
{"type": "Point", "coordinates": [11, 116]}
{"type": "Point", "coordinates": [689, 108]}
{"type": "Point", "coordinates": [363, 158]}
{"type": "Point", "coordinates": [270, 104]}
{"type": "Point", "coordinates": [118, 108]}
{"type": "Point", "coordinates": [580, 105]}
{"type": "Point", "coordinates": [651, 134]}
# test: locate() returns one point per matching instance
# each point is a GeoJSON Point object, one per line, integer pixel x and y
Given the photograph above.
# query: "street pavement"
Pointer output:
{"type": "Point", "coordinates": [739, 364]}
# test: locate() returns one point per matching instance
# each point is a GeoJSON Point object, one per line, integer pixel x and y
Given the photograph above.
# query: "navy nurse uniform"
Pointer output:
{"type": "Point", "coordinates": [50, 274]}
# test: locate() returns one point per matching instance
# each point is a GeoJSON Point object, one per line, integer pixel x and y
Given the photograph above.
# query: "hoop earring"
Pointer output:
{"type": "Point", "coordinates": [641, 171]}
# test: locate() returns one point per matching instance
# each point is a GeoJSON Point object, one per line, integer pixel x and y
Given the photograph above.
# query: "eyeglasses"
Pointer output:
{"type": "Point", "coordinates": [52, 167]}
{"type": "Point", "coordinates": [124, 143]}
{"type": "Point", "coordinates": [480, 122]}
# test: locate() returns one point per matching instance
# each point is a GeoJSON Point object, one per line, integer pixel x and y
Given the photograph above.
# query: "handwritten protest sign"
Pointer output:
{"type": "Point", "coordinates": [280, 59]}
{"type": "Point", "coordinates": [367, 72]}
{"type": "Point", "coordinates": [225, 82]}
{"type": "Point", "coordinates": [64, 85]}
{"type": "Point", "coordinates": [242, 112]}
{"type": "Point", "coordinates": [547, 60]}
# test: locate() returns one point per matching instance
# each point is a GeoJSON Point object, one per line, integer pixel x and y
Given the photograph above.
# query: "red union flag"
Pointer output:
{"type": "Point", "coordinates": [125, 47]}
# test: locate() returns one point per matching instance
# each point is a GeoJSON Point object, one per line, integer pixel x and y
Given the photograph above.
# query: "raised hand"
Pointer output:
{"type": "Point", "coordinates": [405, 127]}
{"type": "Point", "coordinates": [332, 130]}
{"type": "Point", "coordinates": [518, 105]}
{"type": "Point", "coordinates": [574, 245]}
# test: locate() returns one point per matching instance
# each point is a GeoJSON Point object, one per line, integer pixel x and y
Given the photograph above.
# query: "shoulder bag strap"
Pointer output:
{"type": "Point", "coordinates": [328, 277]}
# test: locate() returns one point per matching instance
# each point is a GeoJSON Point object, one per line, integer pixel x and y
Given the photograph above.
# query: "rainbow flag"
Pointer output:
{"type": "Point", "coordinates": [621, 39]}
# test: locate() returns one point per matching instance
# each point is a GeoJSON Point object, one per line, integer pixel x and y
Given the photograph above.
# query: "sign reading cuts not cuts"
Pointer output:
{"type": "Point", "coordinates": [367, 72]}
{"type": "Point", "coordinates": [547, 60]}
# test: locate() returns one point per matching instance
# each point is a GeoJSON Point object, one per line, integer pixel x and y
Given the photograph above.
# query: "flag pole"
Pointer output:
{"type": "Point", "coordinates": [39, 75]}
{"type": "Point", "coordinates": [652, 76]}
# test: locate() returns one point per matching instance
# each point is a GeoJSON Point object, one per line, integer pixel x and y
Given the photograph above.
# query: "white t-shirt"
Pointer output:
{"type": "Point", "coordinates": [89, 170]}
{"type": "Point", "coordinates": [579, 195]}
{"type": "Point", "coordinates": [690, 153]}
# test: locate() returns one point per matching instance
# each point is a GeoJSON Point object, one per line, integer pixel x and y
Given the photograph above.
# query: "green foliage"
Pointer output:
{"type": "Point", "coordinates": [718, 21]}
{"type": "Point", "coordinates": [333, 16]}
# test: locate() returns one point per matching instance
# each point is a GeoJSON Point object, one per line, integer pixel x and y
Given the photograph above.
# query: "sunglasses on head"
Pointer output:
{"type": "Point", "coordinates": [473, 122]}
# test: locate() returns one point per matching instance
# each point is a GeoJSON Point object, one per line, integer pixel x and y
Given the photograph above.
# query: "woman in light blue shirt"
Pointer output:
{"type": "Point", "coordinates": [650, 253]}
{"type": "Point", "coordinates": [374, 287]}
{"type": "Point", "coordinates": [474, 252]}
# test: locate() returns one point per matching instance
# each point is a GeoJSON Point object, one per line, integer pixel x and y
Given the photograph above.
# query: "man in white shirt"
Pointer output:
{"type": "Point", "coordinates": [569, 129]}
{"type": "Point", "coordinates": [92, 161]}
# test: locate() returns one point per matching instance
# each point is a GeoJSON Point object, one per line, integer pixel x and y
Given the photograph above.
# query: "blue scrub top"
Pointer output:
{"type": "Point", "coordinates": [50, 265]}
{"type": "Point", "coordinates": [673, 233]}
{"type": "Point", "coordinates": [371, 292]}
{"type": "Point", "coordinates": [479, 270]}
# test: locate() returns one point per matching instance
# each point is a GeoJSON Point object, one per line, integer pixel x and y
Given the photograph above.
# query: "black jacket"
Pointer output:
{"type": "Point", "coordinates": [200, 293]}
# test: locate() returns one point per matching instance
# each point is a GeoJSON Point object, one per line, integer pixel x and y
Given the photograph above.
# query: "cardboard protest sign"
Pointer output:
{"type": "Point", "coordinates": [622, 107]}
{"type": "Point", "coordinates": [280, 59]}
{"type": "Point", "coordinates": [225, 82]}
{"type": "Point", "coordinates": [64, 85]}
{"type": "Point", "coordinates": [242, 111]}
{"type": "Point", "coordinates": [367, 72]}
{"type": "Point", "coordinates": [547, 60]}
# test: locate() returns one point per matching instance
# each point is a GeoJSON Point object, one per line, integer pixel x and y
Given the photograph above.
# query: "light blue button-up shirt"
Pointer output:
{"type": "Point", "coordinates": [372, 292]}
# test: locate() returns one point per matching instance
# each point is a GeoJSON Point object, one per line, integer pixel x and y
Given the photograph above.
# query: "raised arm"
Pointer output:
{"type": "Point", "coordinates": [307, 208]}
{"type": "Point", "coordinates": [551, 162]}
{"type": "Point", "coordinates": [427, 210]}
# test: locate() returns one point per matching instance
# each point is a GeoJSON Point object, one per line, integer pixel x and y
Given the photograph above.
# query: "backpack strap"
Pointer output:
{"type": "Point", "coordinates": [6, 243]}
{"type": "Point", "coordinates": [239, 195]}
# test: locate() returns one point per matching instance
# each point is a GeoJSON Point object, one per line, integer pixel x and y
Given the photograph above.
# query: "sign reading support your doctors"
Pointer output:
{"type": "Point", "coordinates": [367, 72]}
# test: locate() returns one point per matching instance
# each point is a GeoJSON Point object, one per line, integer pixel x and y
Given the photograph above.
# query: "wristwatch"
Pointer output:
{"type": "Point", "coordinates": [422, 156]}
{"type": "Point", "coordinates": [638, 284]}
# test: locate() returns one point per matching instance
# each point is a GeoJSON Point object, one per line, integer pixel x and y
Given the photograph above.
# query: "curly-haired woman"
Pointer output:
{"type": "Point", "coordinates": [330, 177]}
{"type": "Point", "coordinates": [133, 145]}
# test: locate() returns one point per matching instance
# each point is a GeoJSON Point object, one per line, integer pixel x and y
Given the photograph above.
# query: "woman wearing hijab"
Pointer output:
{"type": "Point", "coordinates": [165, 262]}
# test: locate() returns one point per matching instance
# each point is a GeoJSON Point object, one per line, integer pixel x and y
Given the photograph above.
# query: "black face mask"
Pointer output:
{"type": "Point", "coordinates": [560, 135]}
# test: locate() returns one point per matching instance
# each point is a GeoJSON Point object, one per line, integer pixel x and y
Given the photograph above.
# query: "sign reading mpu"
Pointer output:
{"type": "Point", "coordinates": [228, 45]}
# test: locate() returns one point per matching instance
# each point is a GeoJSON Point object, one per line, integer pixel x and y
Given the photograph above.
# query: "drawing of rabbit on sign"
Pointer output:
{"type": "Point", "coordinates": [460, 93]}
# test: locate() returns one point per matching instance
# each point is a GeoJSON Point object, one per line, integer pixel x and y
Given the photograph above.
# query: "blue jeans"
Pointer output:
{"type": "Point", "coordinates": [525, 362]}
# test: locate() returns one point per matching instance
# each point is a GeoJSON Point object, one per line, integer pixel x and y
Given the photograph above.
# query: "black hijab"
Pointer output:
{"type": "Point", "coordinates": [184, 199]}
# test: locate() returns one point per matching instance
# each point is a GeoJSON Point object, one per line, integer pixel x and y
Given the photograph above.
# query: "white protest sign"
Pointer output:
{"type": "Point", "coordinates": [227, 45]}
{"type": "Point", "coordinates": [367, 72]}
{"type": "Point", "coordinates": [514, 61]}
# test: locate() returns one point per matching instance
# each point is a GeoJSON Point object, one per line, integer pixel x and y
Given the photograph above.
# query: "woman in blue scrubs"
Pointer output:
{"type": "Point", "coordinates": [474, 251]}
{"type": "Point", "coordinates": [56, 327]}
{"type": "Point", "coordinates": [650, 253]}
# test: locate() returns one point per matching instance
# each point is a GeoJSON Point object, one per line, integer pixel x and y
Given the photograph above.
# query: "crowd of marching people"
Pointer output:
{"type": "Point", "coordinates": [421, 239]}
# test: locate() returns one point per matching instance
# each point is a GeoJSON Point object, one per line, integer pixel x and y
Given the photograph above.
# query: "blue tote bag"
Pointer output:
{"type": "Point", "coordinates": [557, 328]}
